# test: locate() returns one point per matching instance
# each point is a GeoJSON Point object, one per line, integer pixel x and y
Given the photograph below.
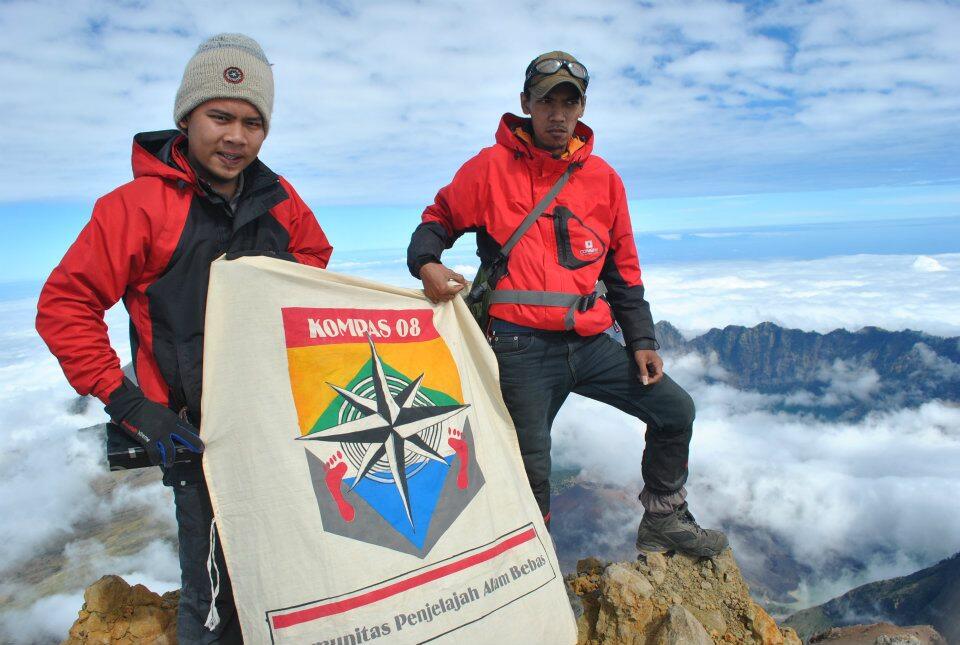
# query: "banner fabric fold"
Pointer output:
{"type": "Point", "coordinates": [364, 472]}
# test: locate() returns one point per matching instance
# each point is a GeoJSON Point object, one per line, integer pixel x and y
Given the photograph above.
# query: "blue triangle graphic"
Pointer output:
{"type": "Point", "coordinates": [424, 490]}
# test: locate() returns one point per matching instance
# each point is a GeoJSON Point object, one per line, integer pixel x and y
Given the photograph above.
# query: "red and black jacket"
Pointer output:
{"type": "Point", "coordinates": [584, 236]}
{"type": "Point", "coordinates": [151, 242]}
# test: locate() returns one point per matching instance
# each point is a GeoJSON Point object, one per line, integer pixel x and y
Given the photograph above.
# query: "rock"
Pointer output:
{"type": "Point", "coordinates": [622, 607]}
{"type": "Point", "coordinates": [113, 612]}
{"type": "Point", "coordinates": [897, 640]}
{"type": "Point", "coordinates": [711, 619]}
{"type": "Point", "coordinates": [764, 628]}
{"type": "Point", "coordinates": [880, 634]}
{"type": "Point", "coordinates": [656, 562]}
{"type": "Point", "coordinates": [625, 585]}
{"type": "Point", "coordinates": [626, 612]}
{"type": "Point", "coordinates": [590, 565]}
{"type": "Point", "coordinates": [681, 628]}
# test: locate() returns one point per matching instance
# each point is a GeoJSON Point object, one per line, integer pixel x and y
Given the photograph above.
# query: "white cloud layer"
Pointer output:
{"type": "Point", "coordinates": [47, 471]}
{"type": "Point", "coordinates": [880, 491]}
{"type": "Point", "coordinates": [816, 295]}
{"type": "Point", "coordinates": [379, 102]}
{"type": "Point", "coordinates": [848, 292]}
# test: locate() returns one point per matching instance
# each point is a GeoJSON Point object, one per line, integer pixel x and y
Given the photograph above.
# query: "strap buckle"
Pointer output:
{"type": "Point", "coordinates": [586, 303]}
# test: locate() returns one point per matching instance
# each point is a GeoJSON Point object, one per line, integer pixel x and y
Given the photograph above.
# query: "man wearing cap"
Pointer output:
{"type": "Point", "coordinates": [546, 319]}
{"type": "Point", "coordinates": [198, 192]}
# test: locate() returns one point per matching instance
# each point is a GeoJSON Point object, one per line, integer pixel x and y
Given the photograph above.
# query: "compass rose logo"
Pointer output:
{"type": "Point", "coordinates": [390, 430]}
{"type": "Point", "coordinates": [387, 434]}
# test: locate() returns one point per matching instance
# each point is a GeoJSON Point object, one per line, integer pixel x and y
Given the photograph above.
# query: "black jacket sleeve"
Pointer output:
{"type": "Point", "coordinates": [428, 241]}
{"type": "Point", "coordinates": [630, 308]}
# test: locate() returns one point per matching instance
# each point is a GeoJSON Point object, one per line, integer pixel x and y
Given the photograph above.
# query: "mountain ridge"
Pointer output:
{"type": "Point", "coordinates": [928, 596]}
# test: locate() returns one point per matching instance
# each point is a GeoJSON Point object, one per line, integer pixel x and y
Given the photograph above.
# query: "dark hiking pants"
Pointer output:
{"type": "Point", "coordinates": [194, 514]}
{"type": "Point", "coordinates": [539, 369]}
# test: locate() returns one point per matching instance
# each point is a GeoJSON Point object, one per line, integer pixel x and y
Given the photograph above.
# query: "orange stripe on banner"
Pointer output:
{"type": "Point", "coordinates": [311, 368]}
{"type": "Point", "coordinates": [370, 597]}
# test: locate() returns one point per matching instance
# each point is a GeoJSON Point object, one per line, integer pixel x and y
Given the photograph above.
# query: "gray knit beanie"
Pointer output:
{"type": "Point", "coordinates": [226, 66]}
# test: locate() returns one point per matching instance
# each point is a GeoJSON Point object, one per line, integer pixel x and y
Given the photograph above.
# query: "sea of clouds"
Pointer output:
{"type": "Point", "coordinates": [881, 490]}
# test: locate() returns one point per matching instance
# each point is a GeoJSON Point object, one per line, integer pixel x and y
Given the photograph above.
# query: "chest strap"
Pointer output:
{"type": "Point", "coordinates": [571, 301]}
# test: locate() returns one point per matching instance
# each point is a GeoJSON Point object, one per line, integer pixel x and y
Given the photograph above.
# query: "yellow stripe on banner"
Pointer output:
{"type": "Point", "coordinates": [311, 368]}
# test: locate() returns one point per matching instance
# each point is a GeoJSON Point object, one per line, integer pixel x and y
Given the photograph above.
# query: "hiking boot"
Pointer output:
{"type": "Point", "coordinates": [679, 532]}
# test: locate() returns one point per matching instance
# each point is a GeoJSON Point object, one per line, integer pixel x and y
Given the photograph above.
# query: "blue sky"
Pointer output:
{"type": "Point", "coordinates": [716, 114]}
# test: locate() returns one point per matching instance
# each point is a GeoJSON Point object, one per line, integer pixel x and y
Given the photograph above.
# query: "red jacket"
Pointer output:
{"type": "Point", "coordinates": [151, 242]}
{"type": "Point", "coordinates": [583, 237]}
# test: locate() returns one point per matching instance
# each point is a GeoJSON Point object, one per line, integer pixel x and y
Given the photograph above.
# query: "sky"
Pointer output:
{"type": "Point", "coordinates": [716, 114]}
{"type": "Point", "coordinates": [786, 161]}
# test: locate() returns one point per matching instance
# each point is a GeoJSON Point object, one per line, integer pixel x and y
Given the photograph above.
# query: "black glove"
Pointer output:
{"type": "Point", "coordinates": [156, 427]}
{"type": "Point", "coordinates": [280, 255]}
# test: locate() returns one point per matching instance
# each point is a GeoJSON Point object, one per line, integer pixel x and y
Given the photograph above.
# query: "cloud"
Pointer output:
{"type": "Point", "coordinates": [847, 292]}
{"type": "Point", "coordinates": [816, 295]}
{"type": "Point", "coordinates": [878, 491]}
{"type": "Point", "coordinates": [700, 96]}
{"type": "Point", "coordinates": [926, 264]}
{"type": "Point", "coordinates": [49, 482]}
{"type": "Point", "coordinates": [49, 618]}
{"type": "Point", "coordinates": [46, 621]}
{"type": "Point", "coordinates": [848, 383]}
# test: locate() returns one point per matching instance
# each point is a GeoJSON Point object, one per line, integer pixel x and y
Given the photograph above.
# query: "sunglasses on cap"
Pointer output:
{"type": "Point", "coordinates": [549, 66]}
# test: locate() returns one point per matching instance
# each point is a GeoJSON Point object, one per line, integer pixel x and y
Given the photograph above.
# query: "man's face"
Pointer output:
{"type": "Point", "coordinates": [223, 137]}
{"type": "Point", "coordinates": [554, 116]}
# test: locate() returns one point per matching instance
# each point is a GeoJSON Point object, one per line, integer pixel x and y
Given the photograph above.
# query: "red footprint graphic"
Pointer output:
{"type": "Point", "coordinates": [463, 455]}
{"type": "Point", "coordinates": [336, 469]}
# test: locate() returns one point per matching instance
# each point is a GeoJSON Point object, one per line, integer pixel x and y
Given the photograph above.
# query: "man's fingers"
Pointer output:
{"type": "Point", "coordinates": [644, 375]}
{"type": "Point", "coordinates": [656, 369]}
{"type": "Point", "coordinates": [456, 277]}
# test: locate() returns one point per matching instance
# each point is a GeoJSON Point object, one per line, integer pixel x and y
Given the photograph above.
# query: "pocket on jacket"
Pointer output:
{"type": "Point", "coordinates": [577, 244]}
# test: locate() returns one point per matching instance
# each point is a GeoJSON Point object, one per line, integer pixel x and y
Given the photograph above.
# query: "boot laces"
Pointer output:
{"type": "Point", "coordinates": [686, 517]}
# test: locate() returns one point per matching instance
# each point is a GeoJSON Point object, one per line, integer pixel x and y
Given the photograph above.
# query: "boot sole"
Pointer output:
{"type": "Point", "coordinates": [653, 548]}
{"type": "Point", "coordinates": [649, 548]}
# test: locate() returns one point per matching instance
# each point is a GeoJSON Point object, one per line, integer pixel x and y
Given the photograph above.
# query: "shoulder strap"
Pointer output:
{"type": "Point", "coordinates": [538, 210]}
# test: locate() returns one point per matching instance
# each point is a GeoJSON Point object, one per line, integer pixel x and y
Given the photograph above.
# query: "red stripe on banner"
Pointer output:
{"type": "Point", "coordinates": [340, 606]}
{"type": "Point", "coordinates": [308, 326]}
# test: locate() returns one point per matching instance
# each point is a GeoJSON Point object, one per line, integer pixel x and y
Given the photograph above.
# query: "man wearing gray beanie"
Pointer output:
{"type": "Point", "coordinates": [199, 192]}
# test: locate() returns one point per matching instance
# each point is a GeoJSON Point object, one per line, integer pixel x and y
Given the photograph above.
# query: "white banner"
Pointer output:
{"type": "Point", "coordinates": [363, 469]}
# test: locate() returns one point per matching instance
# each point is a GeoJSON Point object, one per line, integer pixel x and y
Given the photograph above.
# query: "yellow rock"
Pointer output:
{"type": "Point", "coordinates": [790, 637]}
{"type": "Point", "coordinates": [116, 613]}
{"type": "Point", "coordinates": [765, 628]}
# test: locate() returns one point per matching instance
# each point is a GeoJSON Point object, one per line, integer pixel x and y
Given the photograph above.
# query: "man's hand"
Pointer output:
{"type": "Point", "coordinates": [440, 283]}
{"type": "Point", "coordinates": [650, 365]}
{"type": "Point", "coordinates": [156, 427]}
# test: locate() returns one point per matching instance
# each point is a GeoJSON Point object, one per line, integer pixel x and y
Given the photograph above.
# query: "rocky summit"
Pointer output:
{"type": "Point", "coordinates": [656, 600]}
{"type": "Point", "coordinates": [668, 600]}
{"type": "Point", "coordinates": [115, 612]}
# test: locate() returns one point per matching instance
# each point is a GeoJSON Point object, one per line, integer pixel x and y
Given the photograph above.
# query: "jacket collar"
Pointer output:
{"type": "Point", "coordinates": [508, 138]}
{"type": "Point", "coordinates": [162, 154]}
